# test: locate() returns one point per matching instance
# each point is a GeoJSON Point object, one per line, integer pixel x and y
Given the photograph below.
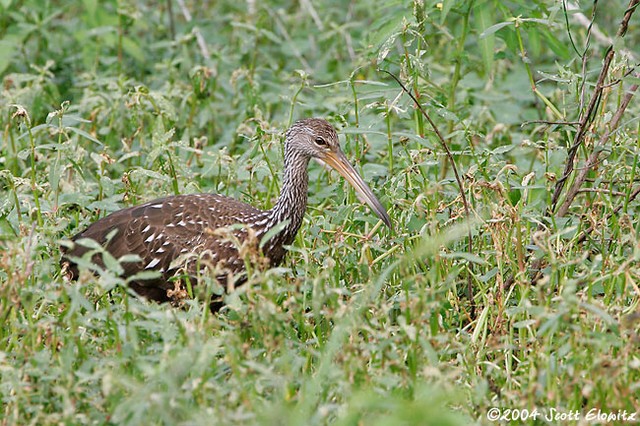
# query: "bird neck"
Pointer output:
{"type": "Point", "coordinates": [292, 202]}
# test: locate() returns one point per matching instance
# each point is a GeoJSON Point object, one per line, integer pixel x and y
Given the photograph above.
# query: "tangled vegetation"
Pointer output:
{"type": "Point", "coordinates": [510, 279]}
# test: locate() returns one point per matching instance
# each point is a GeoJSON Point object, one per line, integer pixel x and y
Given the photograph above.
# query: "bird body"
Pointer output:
{"type": "Point", "coordinates": [190, 233]}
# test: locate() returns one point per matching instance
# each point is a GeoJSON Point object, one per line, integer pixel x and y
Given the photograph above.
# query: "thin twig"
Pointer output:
{"type": "Point", "coordinates": [588, 231]}
{"type": "Point", "coordinates": [602, 191]}
{"type": "Point", "coordinates": [585, 121]}
{"type": "Point", "coordinates": [465, 203]}
{"type": "Point", "coordinates": [592, 28]}
{"type": "Point", "coordinates": [588, 23]}
{"type": "Point", "coordinates": [597, 150]}
{"type": "Point", "coordinates": [582, 130]}
{"type": "Point", "coordinates": [559, 123]}
{"type": "Point", "coordinates": [536, 267]}
{"type": "Point", "coordinates": [589, 113]}
{"type": "Point", "coordinates": [619, 80]}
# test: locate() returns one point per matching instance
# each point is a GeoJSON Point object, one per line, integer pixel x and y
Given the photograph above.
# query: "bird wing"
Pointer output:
{"type": "Point", "coordinates": [161, 231]}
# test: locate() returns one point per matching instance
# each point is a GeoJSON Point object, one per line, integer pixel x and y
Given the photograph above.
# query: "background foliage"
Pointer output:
{"type": "Point", "coordinates": [107, 104]}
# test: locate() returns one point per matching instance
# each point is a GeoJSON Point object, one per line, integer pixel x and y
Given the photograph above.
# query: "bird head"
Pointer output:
{"type": "Point", "coordinates": [316, 138]}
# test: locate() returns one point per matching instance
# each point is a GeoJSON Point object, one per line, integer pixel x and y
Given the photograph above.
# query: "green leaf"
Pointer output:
{"type": "Point", "coordinates": [494, 28]}
{"type": "Point", "coordinates": [466, 256]}
{"type": "Point", "coordinates": [446, 8]}
{"type": "Point", "coordinates": [385, 48]}
{"type": "Point", "coordinates": [8, 49]}
{"type": "Point", "coordinates": [133, 49]}
{"type": "Point", "coordinates": [484, 13]}
{"type": "Point", "coordinates": [84, 134]}
{"type": "Point", "coordinates": [273, 232]}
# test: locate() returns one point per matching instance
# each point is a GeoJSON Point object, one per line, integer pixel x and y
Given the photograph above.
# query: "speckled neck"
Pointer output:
{"type": "Point", "coordinates": [292, 202]}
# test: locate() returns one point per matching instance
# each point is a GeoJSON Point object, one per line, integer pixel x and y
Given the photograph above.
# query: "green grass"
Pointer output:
{"type": "Point", "coordinates": [109, 104]}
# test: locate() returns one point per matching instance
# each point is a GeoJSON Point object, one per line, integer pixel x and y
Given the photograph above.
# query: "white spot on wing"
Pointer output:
{"type": "Point", "coordinates": [151, 264]}
{"type": "Point", "coordinates": [156, 206]}
{"type": "Point", "coordinates": [146, 229]}
{"type": "Point", "coordinates": [151, 238]}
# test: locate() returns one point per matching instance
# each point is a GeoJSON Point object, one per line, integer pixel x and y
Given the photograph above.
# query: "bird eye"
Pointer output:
{"type": "Point", "coordinates": [321, 142]}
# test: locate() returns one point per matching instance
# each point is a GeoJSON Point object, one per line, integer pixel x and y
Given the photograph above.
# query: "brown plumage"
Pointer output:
{"type": "Point", "coordinates": [191, 234]}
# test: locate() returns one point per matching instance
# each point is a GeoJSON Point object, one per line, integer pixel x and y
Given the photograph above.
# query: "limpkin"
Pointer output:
{"type": "Point", "coordinates": [186, 233]}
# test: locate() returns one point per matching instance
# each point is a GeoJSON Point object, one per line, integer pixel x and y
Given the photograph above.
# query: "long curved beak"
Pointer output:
{"type": "Point", "coordinates": [339, 163]}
